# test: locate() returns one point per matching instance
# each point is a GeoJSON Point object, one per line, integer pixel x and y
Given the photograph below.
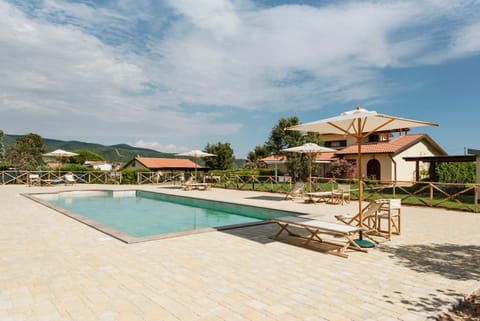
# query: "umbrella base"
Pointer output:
{"type": "Point", "coordinates": [364, 243]}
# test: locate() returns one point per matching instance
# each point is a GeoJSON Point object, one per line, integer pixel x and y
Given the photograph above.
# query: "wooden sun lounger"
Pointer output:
{"type": "Point", "coordinates": [319, 196]}
{"type": "Point", "coordinates": [315, 241]}
{"type": "Point", "coordinates": [199, 186]}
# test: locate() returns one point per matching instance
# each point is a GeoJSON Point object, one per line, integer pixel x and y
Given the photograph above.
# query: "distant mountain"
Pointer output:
{"type": "Point", "coordinates": [120, 153]}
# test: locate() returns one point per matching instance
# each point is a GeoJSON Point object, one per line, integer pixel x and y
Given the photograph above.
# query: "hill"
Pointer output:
{"type": "Point", "coordinates": [120, 153]}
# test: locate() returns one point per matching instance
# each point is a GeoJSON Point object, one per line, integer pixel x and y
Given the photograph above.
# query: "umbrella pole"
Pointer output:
{"type": "Point", "coordinates": [361, 242]}
{"type": "Point", "coordinates": [360, 185]}
{"type": "Point", "coordinates": [196, 162]}
{"type": "Point", "coordinates": [359, 174]}
{"type": "Point", "coordinates": [310, 174]}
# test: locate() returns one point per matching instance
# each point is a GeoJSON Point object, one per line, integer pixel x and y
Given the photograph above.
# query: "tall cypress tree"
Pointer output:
{"type": "Point", "coordinates": [2, 147]}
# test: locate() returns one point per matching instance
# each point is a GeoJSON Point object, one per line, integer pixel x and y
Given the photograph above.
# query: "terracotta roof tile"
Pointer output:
{"type": "Point", "coordinates": [325, 156]}
{"type": "Point", "coordinates": [392, 146]}
{"type": "Point", "coordinates": [154, 163]}
{"type": "Point", "coordinates": [282, 158]}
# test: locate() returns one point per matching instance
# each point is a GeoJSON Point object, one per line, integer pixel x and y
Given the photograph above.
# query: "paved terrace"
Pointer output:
{"type": "Point", "coordinates": [55, 268]}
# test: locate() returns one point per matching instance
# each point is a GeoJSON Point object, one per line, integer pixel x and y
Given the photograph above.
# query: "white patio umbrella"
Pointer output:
{"type": "Point", "coordinates": [359, 123]}
{"type": "Point", "coordinates": [196, 154]}
{"type": "Point", "coordinates": [311, 150]}
{"type": "Point", "coordinates": [59, 154]}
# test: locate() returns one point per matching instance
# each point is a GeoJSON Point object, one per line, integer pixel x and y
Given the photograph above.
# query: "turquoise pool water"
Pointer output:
{"type": "Point", "coordinates": [143, 213]}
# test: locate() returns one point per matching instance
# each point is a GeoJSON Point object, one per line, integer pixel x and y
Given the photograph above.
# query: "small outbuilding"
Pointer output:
{"type": "Point", "coordinates": [161, 164]}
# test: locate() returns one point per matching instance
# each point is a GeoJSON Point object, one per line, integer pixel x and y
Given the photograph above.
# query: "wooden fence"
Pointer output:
{"type": "Point", "coordinates": [86, 177]}
{"type": "Point", "coordinates": [458, 196]}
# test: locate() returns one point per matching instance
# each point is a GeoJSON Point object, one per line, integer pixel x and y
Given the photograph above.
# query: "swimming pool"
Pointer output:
{"type": "Point", "coordinates": [137, 215]}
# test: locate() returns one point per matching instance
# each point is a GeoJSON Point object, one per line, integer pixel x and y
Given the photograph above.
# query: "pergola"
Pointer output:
{"type": "Point", "coordinates": [473, 157]}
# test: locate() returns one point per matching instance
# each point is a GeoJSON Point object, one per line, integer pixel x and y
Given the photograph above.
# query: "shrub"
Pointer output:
{"type": "Point", "coordinates": [129, 176]}
{"type": "Point", "coordinates": [342, 168]}
{"type": "Point", "coordinates": [73, 168]}
{"type": "Point", "coordinates": [456, 172]}
{"type": "Point", "coordinates": [5, 166]}
{"type": "Point", "coordinates": [267, 172]}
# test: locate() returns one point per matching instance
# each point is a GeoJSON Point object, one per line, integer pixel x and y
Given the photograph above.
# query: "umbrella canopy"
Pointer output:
{"type": "Point", "coordinates": [196, 154]}
{"type": "Point", "coordinates": [310, 149]}
{"type": "Point", "coordinates": [59, 153]}
{"type": "Point", "coordinates": [359, 123]}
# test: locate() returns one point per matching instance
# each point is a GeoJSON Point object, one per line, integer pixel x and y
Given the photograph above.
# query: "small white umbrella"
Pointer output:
{"type": "Point", "coordinates": [310, 149]}
{"type": "Point", "coordinates": [196, 154]}
{"type": "Point", "coordinates": [59, 154]}
{"type": "Point", "coordinates": [359, 123]}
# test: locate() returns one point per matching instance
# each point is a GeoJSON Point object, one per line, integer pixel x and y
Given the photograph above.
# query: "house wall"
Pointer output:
{"type": "Point", "coordinates": [406, 170]}
{"type": "Point", "coordinates": [135, 166]}
{"type": "Point", "coordinates": [350, 140]}
{"type": "Point", "coordinates": [386, 166]}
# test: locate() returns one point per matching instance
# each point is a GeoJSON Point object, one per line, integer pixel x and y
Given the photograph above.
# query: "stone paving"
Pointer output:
{"type": "Point", "coordinates": [55, 268]}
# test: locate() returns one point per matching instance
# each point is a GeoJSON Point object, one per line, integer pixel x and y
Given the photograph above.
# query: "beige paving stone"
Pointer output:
{"type": "Point", "coordinates": [54, 267]}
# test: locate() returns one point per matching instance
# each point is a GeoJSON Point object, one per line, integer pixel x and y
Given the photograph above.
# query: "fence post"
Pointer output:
{"type": "Point", "coordinates": [476, 198]}
{"type": "Point", "coordinates": [431, 194]}
{"type": "Point", "coordinates": [477, 171]}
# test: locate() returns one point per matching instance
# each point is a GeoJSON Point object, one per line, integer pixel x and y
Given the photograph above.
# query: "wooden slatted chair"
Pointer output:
{"type": "Point", "coordinates": [389, 212]}
{"type": "Point", "coordinates": [342, 194]}
{"type": "Point", "coordinates": [369, 220]}
{"type": "Point", "coordinates": [297, 190]}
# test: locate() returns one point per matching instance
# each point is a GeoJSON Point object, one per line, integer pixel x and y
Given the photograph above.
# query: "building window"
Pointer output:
{"type": "Point", "coordinates": [336, 143]}
{"type": "Point", "coordinates": [373, 138]}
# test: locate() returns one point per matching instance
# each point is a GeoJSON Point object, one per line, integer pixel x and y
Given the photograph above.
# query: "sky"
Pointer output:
{"type": "Point", "coordinates": [176, 75]}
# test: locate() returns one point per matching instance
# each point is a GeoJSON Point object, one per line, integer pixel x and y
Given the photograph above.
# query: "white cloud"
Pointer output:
{"type": "Point", "coordinates": [168, 148]}
{"type": "Point", "coordinates": [466, 41]}
{"type": "Point", "coordinates": [145, 69]}
{"type": "Point", "coordinates": [259, 58]}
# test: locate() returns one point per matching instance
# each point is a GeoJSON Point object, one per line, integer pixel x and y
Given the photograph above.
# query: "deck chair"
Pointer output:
{"type": "Point", "coordinates": [34, 180]}
{"type": "Point", "coordinates": [188, 184]}
{"type": "Point", "coordinates": [389, 212]}
{"type": "Point", "coordinates": [342, 194]}
{"type": "Point", "coordinates": [369, 220]}
{"type": "Point", "coordinates": [297, 190]}
{"type": "Point", "coordinates": [69, 179]}
{"type": "Point", "coordinates": [317, 233]}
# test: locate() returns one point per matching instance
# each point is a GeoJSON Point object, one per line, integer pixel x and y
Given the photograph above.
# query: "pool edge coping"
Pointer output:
{"type": "Point", "coordinates": [127, 238]}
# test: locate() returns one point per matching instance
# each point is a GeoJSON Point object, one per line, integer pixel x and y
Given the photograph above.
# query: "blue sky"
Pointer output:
{"type": "Point", "coordinates": [175, 75]}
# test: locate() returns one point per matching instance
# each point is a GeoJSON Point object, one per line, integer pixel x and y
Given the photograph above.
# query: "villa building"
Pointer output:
{"type": "Point", "coordinates": [383, 155]}
{"type": "Point", "coordinates": [384, 159]}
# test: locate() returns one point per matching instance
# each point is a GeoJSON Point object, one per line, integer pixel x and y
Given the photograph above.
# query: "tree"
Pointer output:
{"type": "Point", "coordinates": [224, 158]}
{"type": "Point", "coordinates": [258, 153]}
{"type": "Point", "coordinates": [2, 147]}
{"type": "Point", "coordinates": [27, 152]}
{"type": "Point", "coordinates": [280, 138]}
{"type": "Point", "coordinates": [83, 156]}
{"type": "Point", "coordinates": [254, 157]}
